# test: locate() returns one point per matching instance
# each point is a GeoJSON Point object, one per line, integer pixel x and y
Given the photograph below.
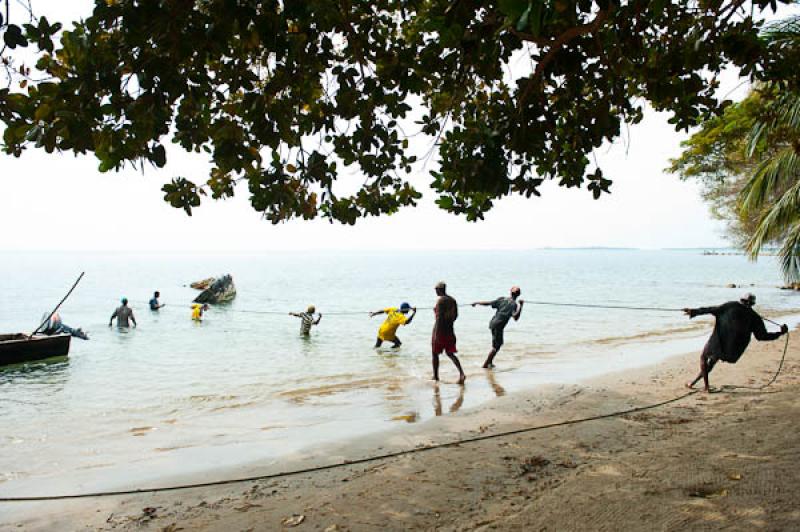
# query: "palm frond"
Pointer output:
{"type": "Point", "coordinates": [775, 220]}
{"type": "Point", "coordinates": [773, 174]}
{"type": "Point", "coordinates": [789, 255]}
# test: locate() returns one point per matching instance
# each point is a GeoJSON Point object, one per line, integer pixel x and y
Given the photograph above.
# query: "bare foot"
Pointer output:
{"type": "Point", "coordinates": [690, 385]}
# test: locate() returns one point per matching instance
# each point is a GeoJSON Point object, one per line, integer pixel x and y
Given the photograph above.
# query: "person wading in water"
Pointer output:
{"type": "Point", "coordinates": [394, 318]}
{"type": "Point", "coordinates": [507, 308]}
{"type": "Point", "coordinates": [735, 322]}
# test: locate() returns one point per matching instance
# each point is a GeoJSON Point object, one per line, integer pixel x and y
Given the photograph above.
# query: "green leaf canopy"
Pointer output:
{"type": "Point", "coordinates": [291, 96]}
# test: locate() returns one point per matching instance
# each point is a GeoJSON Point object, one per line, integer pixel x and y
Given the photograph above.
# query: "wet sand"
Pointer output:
{"type": "Point", "coordinates": [722, 461]}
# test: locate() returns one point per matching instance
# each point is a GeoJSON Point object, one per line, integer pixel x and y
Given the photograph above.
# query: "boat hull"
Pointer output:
{"type": "Point", "coordinates": [16, 348]}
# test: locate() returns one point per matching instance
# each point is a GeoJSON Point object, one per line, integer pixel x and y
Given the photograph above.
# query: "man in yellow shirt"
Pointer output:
{"type": "Point", "coordinates": [394, 318]}
{"type": "Point", "coordinates": [197, 311]}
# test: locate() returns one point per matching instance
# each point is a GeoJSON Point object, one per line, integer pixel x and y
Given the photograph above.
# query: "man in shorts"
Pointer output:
{"type": "Point", "coordinates": [394, 318]}
{"type": "Point", "coordinates": [507, 308]}
{"type": "Point", "coordinates": [444, 337]}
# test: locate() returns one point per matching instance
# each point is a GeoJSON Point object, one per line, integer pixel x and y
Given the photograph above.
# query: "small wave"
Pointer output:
{"type": "Point", "coordinates": [141, 431]}
{"type": "Point", "coordinates": [301, 395]}
{"type": "Point", "coordinates": [95, 466]}
{"type": "Point", "coordinates": [209, 398]}
{"type": "Point", "coordinates": [649, 335]}
{"type": "Point", "coordinates": [235, 405]}
{"type": "Point", "coordinates": [172, 448]}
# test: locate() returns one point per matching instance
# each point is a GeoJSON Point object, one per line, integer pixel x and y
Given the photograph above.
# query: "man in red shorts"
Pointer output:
{"type": "Point", "coordinates": [444, 338]}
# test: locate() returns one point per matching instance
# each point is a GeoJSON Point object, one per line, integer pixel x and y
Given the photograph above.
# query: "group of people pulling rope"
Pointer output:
{"type": "Point", "coordinates": [736, 322]}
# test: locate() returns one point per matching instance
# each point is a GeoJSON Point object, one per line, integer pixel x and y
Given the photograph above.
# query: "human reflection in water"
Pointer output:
{"type": "Point", "coordinates": [499, 391]}
{"type": "Point", "coordinates": [437, 400]}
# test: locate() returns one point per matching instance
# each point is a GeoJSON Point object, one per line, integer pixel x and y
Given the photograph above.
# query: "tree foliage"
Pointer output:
{"type": "Point", "coordinates": [287, 97]}
{"type": "Point", "coordinates": [717, 157]}
{"type": "Point", "coordinates": [749, 160]}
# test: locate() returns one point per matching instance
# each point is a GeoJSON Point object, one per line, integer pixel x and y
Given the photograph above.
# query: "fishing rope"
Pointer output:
{"type": "Point", "coordinates": [405, 452]}
{"type": "Point", "coordinates": [346, 463]}
{"type": "Point", "coordinates": [463, 305]}
{"type": "Point", "coordinates": [774, 377]}
{"type": "Point", "coordinates": [588, 305]}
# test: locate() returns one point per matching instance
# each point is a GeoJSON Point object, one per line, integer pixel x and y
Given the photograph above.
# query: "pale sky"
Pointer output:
{"type": "Point", "coordinates": [58, 201]}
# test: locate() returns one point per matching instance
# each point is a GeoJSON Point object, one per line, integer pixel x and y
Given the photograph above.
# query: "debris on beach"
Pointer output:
{"type": "Point", "coordinates": [221, 290]}
{"type": "Point", "coordinates": [532, 465]}
{"type": "Point", "coordinates": [707, 491]}
{"type": "Point", "coordinates": [246, 507]}
{"type": "Point", "coordinates": [294, 520]}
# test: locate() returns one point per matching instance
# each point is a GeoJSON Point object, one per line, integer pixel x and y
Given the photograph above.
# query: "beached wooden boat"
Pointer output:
{"type": "Point", "coordinates": [16, 348]}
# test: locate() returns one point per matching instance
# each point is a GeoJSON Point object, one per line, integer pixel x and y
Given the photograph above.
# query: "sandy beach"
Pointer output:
{"type": "Point", "coordinates": [721, 461]}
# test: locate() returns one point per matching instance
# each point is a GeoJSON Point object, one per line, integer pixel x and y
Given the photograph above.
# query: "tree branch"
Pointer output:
{"type": "Point", "coordinates": [558, 43]}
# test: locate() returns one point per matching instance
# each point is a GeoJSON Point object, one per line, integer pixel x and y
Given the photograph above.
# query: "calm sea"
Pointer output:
{"type": "Point", "coordinates": [176, 396]}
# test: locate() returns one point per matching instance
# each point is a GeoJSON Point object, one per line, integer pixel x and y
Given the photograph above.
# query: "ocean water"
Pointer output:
{"type": "Point", "coordinates": [175, 397]}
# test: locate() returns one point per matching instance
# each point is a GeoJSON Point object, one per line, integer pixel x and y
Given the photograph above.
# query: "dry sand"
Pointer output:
{"type": "Point", "coordinates": [720, 461]}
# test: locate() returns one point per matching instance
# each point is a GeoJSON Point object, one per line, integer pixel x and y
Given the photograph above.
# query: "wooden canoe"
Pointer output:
{"type": "Point", "coordinates": [16, 348]}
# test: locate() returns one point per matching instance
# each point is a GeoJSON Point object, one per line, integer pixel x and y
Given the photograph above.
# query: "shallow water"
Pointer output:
{"type": "Point", "coordinates": [176, 396]}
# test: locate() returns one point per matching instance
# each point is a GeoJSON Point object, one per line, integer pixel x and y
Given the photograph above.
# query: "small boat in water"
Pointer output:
{"type": "Point", "coordinates": [16, 348]}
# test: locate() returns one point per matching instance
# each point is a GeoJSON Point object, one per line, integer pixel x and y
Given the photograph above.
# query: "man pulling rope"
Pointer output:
{"type": "Point", "coordinates": [735, 322]}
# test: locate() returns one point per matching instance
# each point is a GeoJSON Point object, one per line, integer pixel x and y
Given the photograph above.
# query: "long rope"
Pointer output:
{"type": "Point", "coordinates": [75, 284]}
{"type": "Point", "coordinates": [406, 452]}
{"type": "Point", "coordinates": [588, 305]}
{"type": "Point", "coordinates": [774, 377]}
{"type": "Point", "coordinates": [346, 463]}
{"type": "Point", "coordinates": [527, 301]}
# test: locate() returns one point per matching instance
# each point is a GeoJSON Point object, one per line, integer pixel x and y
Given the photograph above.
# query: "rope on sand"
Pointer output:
{"type": "Point", "coordinates": [774, 377]}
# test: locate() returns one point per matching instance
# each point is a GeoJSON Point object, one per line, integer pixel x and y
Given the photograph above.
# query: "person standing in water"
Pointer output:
{"type": "Point", "coordinates": [307, 319]}
{"type": "Point", "coordinates": [394, 318]}
{"type": "Point", "coordinates": [507, 308]}
{"type": "Point", "coordinates": [197, 311]}
{"type": "Point", "coordinates": [444, 337]}
{"type": "Point", "coordinates": [123, 314]}
{"type": "Point", "coordinates": [735, 322]}
{"type": "Point", "coordinates": [154, 304]}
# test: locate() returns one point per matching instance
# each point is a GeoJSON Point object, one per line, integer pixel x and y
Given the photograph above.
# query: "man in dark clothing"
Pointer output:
{"type": "Point", "coordinates": [735, 322]}
{"type": "Point", "coordinates": [507, 308]}
{"type": "Point", "coordinates": [444, 337]}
